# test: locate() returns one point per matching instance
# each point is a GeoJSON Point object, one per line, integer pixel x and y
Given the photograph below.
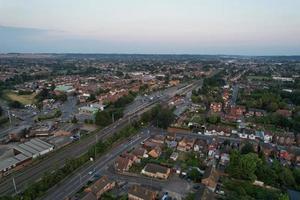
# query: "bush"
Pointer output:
{"type": "Point", "coordinates": [15, 104]}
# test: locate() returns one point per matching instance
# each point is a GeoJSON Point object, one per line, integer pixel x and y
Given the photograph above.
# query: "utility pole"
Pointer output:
{"type": "Point", "coordinates": [15, 186]}
{"type": "Point", "coordinates": [80, 179]}
{"type": "Point", "coordinates": [8, 113]}
{"type": "Point", "coordinates": [96, 144]}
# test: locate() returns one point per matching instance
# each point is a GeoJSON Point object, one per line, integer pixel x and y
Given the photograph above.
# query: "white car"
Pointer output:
{"type": "Point", "coordinates": [244, 136]}
{"type": "Point", "coordinates": [252, 137]}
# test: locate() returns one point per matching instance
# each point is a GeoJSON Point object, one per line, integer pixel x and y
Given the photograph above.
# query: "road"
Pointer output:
{"type": "Point", "coordinates": [57, 159]}
{"type": "Point", "coordinates": [234, 95]}
{"type": "Point", "coordinates": [71, 185]}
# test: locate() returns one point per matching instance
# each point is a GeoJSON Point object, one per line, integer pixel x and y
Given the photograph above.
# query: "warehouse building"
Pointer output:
{"type": "Point", "coordinates": [34, 148]}
{"type": "Point", "coordinates": [23, 155]}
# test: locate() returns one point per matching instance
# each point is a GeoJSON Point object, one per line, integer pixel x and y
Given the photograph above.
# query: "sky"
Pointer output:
{"type": "Point", "coordinates": [239, 27]}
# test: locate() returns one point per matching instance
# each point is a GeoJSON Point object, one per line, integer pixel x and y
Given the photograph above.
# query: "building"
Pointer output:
{"type": "Point", "coordinates": [88, 110]}
{"type": "Point", "coordinates": [156, 171]}
{"type": "Point", "coordinates": [284, 112]}
{"type": "Point", "coordinates": [253, 112]}
{"type": "Point", "coordinates": [23, 155]}
{"type": "Point", "coordinates": [13, 163]}
{"type": "Point", "coordinates": [137, 192]}
{"type": "Point", "coordinates": [102, 185]}
{"type": "Point", "coordinates": [171, 136]}
{"type": "Point", "coordinates": [64, 89]}
{"type": "Point", "coordinates": [18, 133]}
{"type": "Point", "coordinates": [186, 144]}
{"type": "Point", "coordinates": [89, 196]}
{"type": "Point", "coordinates": [287, 139]}
{"type": "Point", "coordinates": [210, 178]}
{"type": "Point", "coordinates": [156, 152]}
{"type": "Point", "coordinates": [204, 194]}
{"type": "Point", "coordinates": [33, 148]}
{"type": "Point", "coordinates": [123, 164]}
{"type": "Point", "coordinates": [140, 153]}
{"type": "Point", "coordinates": [216, 107]}
{"type": "Point", "coordinates": [174, 156]}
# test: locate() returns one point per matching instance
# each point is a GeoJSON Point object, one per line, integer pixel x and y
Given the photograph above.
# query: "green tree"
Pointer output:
{"type": "Point", "coordinates": [247, 165]}
{"type": "Point", "coordinates": [61, 97]}
{"type": "Point", "coordinates": [198, 119]}
{"type": "Point", "coordinates": [286, 177]}
{"type": "Point", "coordinates": [283, 197]}
{"type": "Point", "coordinates": [213, 119]}
{"type": "Point", "coordinates": [92, 97]}
{"type": "Point", "coordinates": [15, 104]}
{"type": "Point", "coordinates": [247, 148]}
{"type": "Point", "coordinates": [74, 120]}
{"type": "Point", "coordinates": [103, 118]}
{"type": "Point", "coordinates": [194, 174]}
{"type": "Point", "coordinates": [164, 118]}
{"type": "Point", "coordinates": [243, 166]}
{"type": "Point", "coordinates": [266, 174]}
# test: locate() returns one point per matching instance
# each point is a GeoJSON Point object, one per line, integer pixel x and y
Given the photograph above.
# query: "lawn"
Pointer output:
{"type": "Point", "coordinates": [23, 99]}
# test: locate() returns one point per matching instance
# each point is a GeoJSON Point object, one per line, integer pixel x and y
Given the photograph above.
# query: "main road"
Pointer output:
{"type": "Point", "coordinates": [70, 185]}
{"type": "Point", "coordinates": [57, 158]}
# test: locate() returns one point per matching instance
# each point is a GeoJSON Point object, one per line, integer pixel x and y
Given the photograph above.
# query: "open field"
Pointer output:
{"type": "Point", "coordinates": [23, 99]}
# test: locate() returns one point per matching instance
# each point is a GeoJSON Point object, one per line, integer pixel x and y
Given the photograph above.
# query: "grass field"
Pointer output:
{"type": "Point", "coordinates": [23, 99]}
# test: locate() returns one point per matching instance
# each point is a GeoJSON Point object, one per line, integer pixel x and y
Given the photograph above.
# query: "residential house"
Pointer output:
{"type": "Point", "coordinates": [140, 153]}
{"type": "Point", "coordinates": [204, 194]}
{"type": "Point", "coordinates": [216, 107]}
{"type": "Point", "coordinates": [224, 159]}
{"type": "Point", "coordinates": [253, 112]}
{"type": "Point", "coordinates": [174, 156]}
{"type": "Point", "coordinates": [159, 139]}
{"type": "Point", "coordinates": [130, 156]}
{"type": "Point", "coordinates": [123, 164]}
{"type": "Point", "coordinates": [284, 112]}
{"type": "Point", "coordinates": [286, 139]}
{"type": "Point", "coordinates": [186, 144]}
{"type": "Point", "coordinates": [171, 136]}
{"type": "Point", "coordinates": [171, 144]}
{"type": "Point", "coordinates": [210, 178]}
{"type": "Point", "coordinates": [89, 196]}
{"type": "Point", "coordinates": [156, 171]}
{"type": "Point", "coordinates": [156, 152]}
{"type": "Point", "coordinates": [102, 185]}
{"type": "Point", "coordinates": [137, 192]}
{"type": "Point", "coordinates": [201, 147]}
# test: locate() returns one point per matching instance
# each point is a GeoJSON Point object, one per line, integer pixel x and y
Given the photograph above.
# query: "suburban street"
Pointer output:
{"type": "Point", "coordinates": [57, 159]}
{"type": "Point", "coordinates": [72, 184]}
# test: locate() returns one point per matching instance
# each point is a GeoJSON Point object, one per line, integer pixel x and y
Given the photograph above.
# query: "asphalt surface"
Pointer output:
{"type": "Point", "coordinates": [71, 185]}
{"type": "Point", "coordinates": [57, 159]}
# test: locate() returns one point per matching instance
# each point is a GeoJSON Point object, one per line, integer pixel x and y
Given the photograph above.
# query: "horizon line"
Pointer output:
{"type": "Point", "coordinates": [152, 54]}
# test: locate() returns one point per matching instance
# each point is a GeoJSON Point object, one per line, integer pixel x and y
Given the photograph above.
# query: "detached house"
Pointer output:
{"type": "Point", "coordinates": [186, 144]}
{"type": "Point", "coordinates": [137, 192]}
{"type": "Point", "coordinates": [210, 178]}
{"type": "Point", "coordinates": [216, 107]}
{"type": "Point", "coordinates": [123, 164]}
{"type": "Point", "coordinates": [156, 171]}
{"type": "Point", "coordinates": [100, 186]}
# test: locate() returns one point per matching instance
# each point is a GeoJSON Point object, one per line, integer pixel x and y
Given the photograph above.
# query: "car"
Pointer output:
{"type": "Point", "coordinates": [96, 176]}
{"type": "Point", "coordinates": [196, 187]}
